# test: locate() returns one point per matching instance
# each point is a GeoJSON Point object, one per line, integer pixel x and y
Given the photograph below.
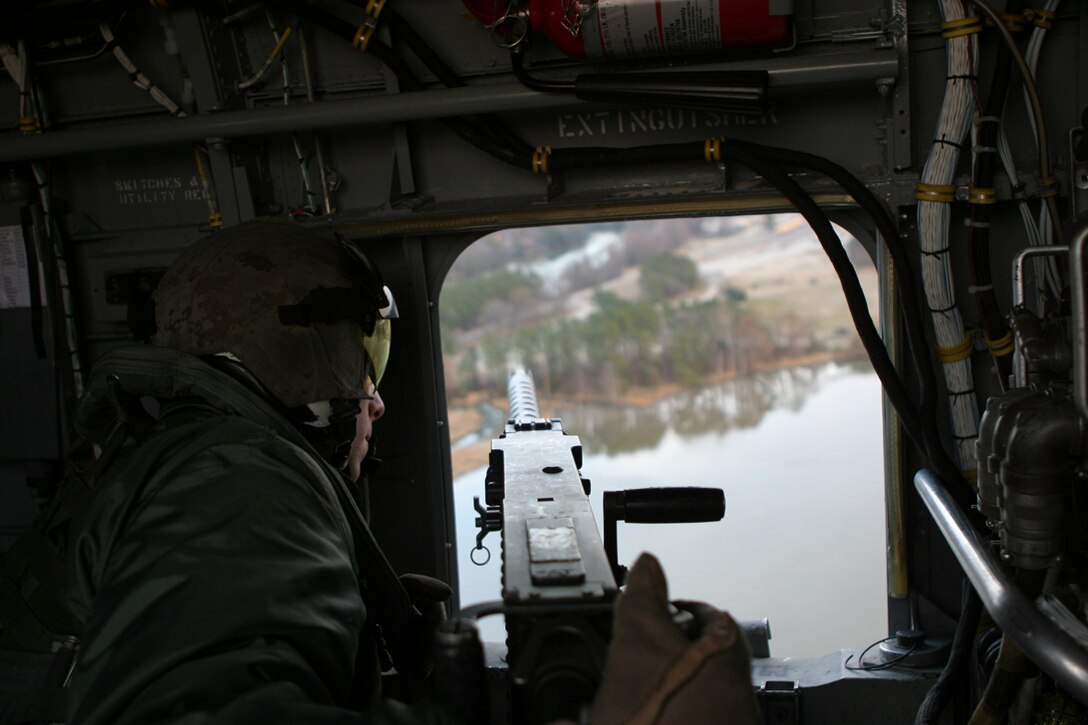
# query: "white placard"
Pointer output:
{"type": "Point", "coordinates": [14, 281]}
{"type": "Point", "coordinates": [14, 284]}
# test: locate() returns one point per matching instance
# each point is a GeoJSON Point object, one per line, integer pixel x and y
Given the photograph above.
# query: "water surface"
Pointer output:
{"type": "Point", "coordinates": [799, 456]}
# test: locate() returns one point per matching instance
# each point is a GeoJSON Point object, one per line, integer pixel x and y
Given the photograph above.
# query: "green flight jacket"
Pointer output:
{"type": "Point", "coordinates": [216, 570]}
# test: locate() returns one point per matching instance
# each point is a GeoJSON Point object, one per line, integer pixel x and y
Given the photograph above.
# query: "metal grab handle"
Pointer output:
{"type": "Point", "coordinates": [1077, 259]}
{"type": "Point", "coordinates": [1049, 646]}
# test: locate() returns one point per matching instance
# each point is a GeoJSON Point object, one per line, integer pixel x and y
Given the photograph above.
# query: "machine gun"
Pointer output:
{"type": "Point", "coordinates": [559, 578]}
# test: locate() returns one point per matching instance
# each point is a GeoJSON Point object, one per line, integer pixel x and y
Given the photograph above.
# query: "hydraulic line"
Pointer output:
{"type": "Point", "coordinates": [1011, 667]}
{"type": "Point", "coordinates": [310, 205]}
{"type": "Point", "coordinates": [469, 128]}
{"type": "Point", "coordinates": [935, 194]}
{"type": "Point", "coordinates": [909, 300]}
{"type": "Point", "coordinates": [855, 297]}
{"type": "Point", "coordinates": [138, 78]}
{"type": "Point", "coordinates": [215, 219]}
{"type": "Point", "coordinates": [963, 640]}
{"type": "Point", "coordinates": [1045, 268]}
{"type": "Point", "coordinates": [517, 62]}
{"type": "Point", "coordinates": [1048, 186]}
{"type": "Point", "coordinates": [277, 49]}
{"type": "Point", "coordinates": [1009, 672]}
{"type": "Point", "coordinates": [749, 155]}
{"type": "Point", "coordinates": [925, 436]}
{"type": "Point", "coordinates": [319, 154]}
{"type": "Point", "coordinates": [1039, 231]}
{"type": "Point", "coordinates": [983, 196]}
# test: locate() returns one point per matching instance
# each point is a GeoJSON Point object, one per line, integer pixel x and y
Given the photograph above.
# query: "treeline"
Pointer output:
{"type": "Point", "coordinates": [511, 296]}
{"type": "Point", "coordinates": [521, 296]}
{"type": "Point", "coordinates": [627, 344]}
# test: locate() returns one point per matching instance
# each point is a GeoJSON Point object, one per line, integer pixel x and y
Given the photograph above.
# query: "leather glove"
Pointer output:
{"type": "Point", "coordinates": [429, 596]}
{"type": "Point", "coordinates": [656, 675]}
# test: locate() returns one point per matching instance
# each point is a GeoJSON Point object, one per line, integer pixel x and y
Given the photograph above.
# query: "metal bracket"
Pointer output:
{"type": "Point", "coordinates": [1078, 189]}
{"type": "Point", "coordinates": [780, 701]}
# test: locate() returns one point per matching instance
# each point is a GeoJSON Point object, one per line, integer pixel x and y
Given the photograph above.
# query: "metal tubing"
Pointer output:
{"type": "Point", "coordinates": [319, 154]}
{"type": "Point", "coordinates": [372, 110]}
{"type": "Point", "coordinates": [895, 491]}
{"type": "Point", "coordinates": [1080, 319]}
{"type": "Point", "coordinates": [1018, 263]}
{"type": "Point", "coordinates": [1050, 647]}
{"type": "Point", "coordinates": [786, 75]}
{"type": "Point", "coordinates": [1020, 294]}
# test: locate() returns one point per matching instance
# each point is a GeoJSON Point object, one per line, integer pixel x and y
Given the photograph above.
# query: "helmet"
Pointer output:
{"type": "Point", "coordinates": [307, 316]}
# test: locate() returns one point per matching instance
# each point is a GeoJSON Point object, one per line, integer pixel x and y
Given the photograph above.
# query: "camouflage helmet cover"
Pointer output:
{"type": "Point", "coordinates": [225, 292]}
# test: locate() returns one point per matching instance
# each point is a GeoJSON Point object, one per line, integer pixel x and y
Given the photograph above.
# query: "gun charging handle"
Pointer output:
{"type": "Point", "coordinates": [675, 505]}
{"type": "Point", "coordinates": [490, 519]}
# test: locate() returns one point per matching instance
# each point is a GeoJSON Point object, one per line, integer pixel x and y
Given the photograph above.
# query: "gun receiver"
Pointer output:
{"type": "Point", "coordinates": [559, 579]}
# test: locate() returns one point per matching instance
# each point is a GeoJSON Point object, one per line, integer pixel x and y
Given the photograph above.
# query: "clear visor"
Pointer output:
{"type": "Point", "coordinates": [377, 344]}
{"type": "Point", "coordinates": [377, 349]}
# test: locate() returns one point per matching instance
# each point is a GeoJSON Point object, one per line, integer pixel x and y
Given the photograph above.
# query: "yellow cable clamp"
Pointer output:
{"type": "Point", "coordinates": [1002, 346]}
{"type": "Point", "coordinates": [712, 148]}
{"type": "Point", "coordinates": [215, 220]}
{"type": "Point", "coordinates": [199, 164]}
{"type": "Point", "coordinates": [540, 159]}
{"type": "Point", "coordinates": [964, 26]}
{"type": "Point", "coordinates": [1043, 18]}
{"type": "Point", "coordinates": [29, 124]}
{"type": "Point", "coordinates": [976, 195]}
{"type": "Point", "coordinates": [366, 30]}
{"type": "Point", "coordinates": [363, 35]}
{"type": "Point", "coordinates": [958, 352]}
{"type": "Point", "coordinates": [1015, 22]}
{"type": "Point", "coordinates": [1048, 187]}
{"type": "Point", "coordinates": [282, 42]}
{"type": "Point", "coordinates": [943, 193]}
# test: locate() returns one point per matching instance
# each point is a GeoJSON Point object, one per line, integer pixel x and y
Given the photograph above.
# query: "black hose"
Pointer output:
{"type": "Point", "coordinates": [909, 298]}
{"type": "Point", "coordinates": [753, 157]}
{"type": "Point", "coordinates": [517, 63]}
{"type": "Point", "coordinates": [938, 697]}
{"type": "Point", "coordinates": [855, 296]}
{"type": "Point", "coordinates": [978, 231]}
{"type": "Point", "coordinates": [596, 157]}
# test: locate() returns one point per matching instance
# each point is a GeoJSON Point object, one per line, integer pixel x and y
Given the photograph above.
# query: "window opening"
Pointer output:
{"type": "Point", "coordinates": [689, 352]}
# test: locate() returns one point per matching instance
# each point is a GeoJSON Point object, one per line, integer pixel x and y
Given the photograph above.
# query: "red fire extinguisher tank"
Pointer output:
{"type": "Point", "coordinates": [608, 29]}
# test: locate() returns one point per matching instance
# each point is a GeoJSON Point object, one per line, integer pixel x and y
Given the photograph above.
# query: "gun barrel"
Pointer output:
{"type": "Point", "coordinates": [521, 394]}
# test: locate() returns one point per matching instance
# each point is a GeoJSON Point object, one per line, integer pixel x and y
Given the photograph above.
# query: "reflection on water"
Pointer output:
{"type": "Point", "coordinates": [732, 405]}
{"type": "Point", "coordinates": [799, 455]}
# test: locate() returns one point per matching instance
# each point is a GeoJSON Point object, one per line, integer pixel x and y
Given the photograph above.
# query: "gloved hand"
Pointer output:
{"type": "Point", "coordinates": [429, 596]}
{"type": "Point", "coordinates": [656, 675]}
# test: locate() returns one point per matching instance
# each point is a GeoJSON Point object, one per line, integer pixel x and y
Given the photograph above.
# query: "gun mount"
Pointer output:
{"type": "Point", "coordinates": [559, 578]}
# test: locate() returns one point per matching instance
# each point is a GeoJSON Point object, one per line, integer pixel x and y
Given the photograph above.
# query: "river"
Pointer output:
{"type": "Point", "coordinates": [799, 455]}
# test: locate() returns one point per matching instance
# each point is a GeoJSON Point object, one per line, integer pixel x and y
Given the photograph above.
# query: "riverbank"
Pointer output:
{"type": "Point", "coordinates": [466, 418]}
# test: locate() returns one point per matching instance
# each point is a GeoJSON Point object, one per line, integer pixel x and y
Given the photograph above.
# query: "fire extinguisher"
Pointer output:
{"type": "Point", "coordinates": [612, 29]}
